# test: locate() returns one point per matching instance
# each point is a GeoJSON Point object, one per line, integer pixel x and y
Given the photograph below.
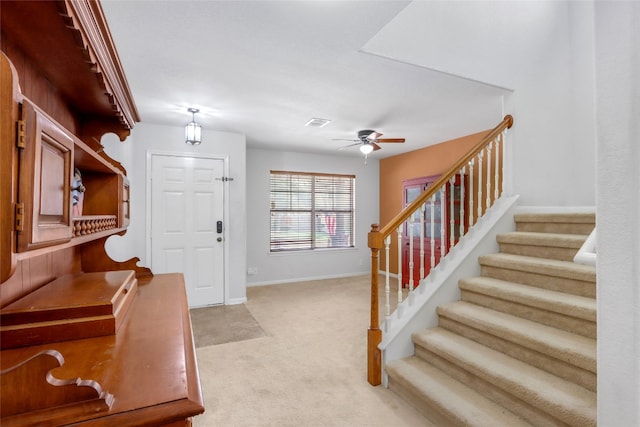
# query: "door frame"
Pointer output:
{"type": "Point", "coordinates": [225, 202]}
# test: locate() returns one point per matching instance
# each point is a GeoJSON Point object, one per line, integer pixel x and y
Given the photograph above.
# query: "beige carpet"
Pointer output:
{"type": "Point", "coordinates": [308, 370]}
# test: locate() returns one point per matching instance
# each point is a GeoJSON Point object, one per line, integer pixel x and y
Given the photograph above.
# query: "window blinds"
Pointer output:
{"type": "Point", "coordinates": [311, 211]}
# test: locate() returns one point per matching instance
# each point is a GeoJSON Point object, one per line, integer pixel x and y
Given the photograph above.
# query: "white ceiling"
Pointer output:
{"type": "Point", "coordinates": [264, 68]}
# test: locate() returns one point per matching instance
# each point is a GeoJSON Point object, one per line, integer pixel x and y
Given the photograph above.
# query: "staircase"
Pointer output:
{"type": "Point", "coordinates": [519, 348]}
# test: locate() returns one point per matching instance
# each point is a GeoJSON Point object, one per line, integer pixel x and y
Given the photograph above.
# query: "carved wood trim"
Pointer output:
{"type": "Point", "coordinates": [95, 39]}
{"type": "Point", "coordinates": [35, 389]}
{"type": "Point", "coordinates": [95, 258]}
{"type": "Point", "coordinates": [79, 74]}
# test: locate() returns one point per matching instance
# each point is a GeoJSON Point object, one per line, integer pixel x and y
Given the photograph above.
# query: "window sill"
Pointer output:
{"type": "Point", "coordinates": [312, 251]}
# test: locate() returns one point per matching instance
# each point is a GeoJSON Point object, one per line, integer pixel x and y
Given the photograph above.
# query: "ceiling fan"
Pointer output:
{"type": "Point", "coordinates": [368, 141]}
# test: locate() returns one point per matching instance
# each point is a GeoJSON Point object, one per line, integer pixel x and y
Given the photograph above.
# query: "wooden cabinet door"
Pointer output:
{"type": "Point", "coordinates": [412, 188]}
{"type": "Point", "coordinates": [45, 173]}
{"type": "Point", "coordinates": [448, 204]}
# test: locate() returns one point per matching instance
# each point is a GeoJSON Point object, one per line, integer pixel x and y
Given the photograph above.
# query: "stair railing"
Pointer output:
{"type": "Point", "coordinates": [475, 181]}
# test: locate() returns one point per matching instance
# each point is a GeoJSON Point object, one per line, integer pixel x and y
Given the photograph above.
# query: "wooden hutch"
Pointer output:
{"type": "Point", "coordinates": [84, 339]}
{"type": "Point", "coordinates": [447, 205]}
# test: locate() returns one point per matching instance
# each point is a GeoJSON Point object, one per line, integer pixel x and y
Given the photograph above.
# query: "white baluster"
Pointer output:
{"type": "Point", "coordinates": [400, 264]}
{"type": "Point", "coordinates": [480, 183]}
{"type": "Point", "coordinates": [411, 219]}
{"type": "Point", "coordinates": [471, 194]}
{"type": "Point", "coordinates": [452, 219]}
{"type": "Point", "coordinates": [387, 289]}
{"type": "Point", "coordinates": [489, 174]}
{"type": "Point", "coordinates": [499, 147]}
{"type": "Point", "coordinates": [422, 233]}
{"type": "Point", "coordinates": [462, 190]}
{"type": "Point", "coordinates": [433, 242]}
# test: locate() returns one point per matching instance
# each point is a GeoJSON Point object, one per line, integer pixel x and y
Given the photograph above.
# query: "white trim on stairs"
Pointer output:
{"type": "Point", "coordinates": [587, 252]}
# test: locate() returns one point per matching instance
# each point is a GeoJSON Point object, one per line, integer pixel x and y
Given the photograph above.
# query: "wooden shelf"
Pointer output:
{"type": "Point", "coordinates": [87, 159]}
{"type": "Point", "coordinates": [71, 243]}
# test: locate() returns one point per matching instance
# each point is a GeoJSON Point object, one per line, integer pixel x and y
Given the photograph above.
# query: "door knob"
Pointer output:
{"type": "Point", "coordinates": [219, 239]}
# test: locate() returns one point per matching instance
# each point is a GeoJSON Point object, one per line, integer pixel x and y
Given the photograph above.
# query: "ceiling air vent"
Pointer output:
{"type": "Point", "coordinates": [317, 123]}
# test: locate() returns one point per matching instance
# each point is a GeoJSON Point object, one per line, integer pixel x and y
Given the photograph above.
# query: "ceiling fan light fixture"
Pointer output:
{"type": "Point", "coordinates": [366, 149]}
{"type": "Point", "coordinates": [193, 131]}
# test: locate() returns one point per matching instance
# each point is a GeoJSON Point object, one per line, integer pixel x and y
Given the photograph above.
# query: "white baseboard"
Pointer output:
{"type": "Point", "coordinates": [306, 279]}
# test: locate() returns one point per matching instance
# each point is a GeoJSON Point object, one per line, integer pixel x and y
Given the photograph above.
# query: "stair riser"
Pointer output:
{"type": "Point", "coordinates": [512, 403]}
{"type": "Point", "coordinates": [560, 284]}
{"type": "Point", "coordinates": [542, 361]}
{"type": "Point", "coordinates": [549, 252]}
{"type": "Point", "coordinates": [425, 406]}
{"type": "Point", "coordinates": [555, 227]}
{"type": "Point", "coordinates": [554, 319]}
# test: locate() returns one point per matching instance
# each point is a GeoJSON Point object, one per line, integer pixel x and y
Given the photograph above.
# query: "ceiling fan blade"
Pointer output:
{"type": "Point", "coordinates": [376, 147]}
{"type": "Point", "coordinates": [350, 145]}
{"type": "Point", "coordinates": [390, 140]}
{"type": "Point", "coordinates": [373, 136]}
{"type": "Point", "coordinates": [345, 139]}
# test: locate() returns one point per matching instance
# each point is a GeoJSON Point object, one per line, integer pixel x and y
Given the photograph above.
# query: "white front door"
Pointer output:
{"type": "Point", "coordinates": [186, 224]}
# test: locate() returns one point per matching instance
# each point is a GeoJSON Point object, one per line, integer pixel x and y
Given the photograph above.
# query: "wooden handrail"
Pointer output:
{"type": "Point", "coordinates": [377, 236]}
{"type": "Point", "coordinates": [393, 225]}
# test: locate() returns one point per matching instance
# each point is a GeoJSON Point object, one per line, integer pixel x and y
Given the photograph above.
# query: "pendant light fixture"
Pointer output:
{"type": "Point", "coordinates": [193, 131]}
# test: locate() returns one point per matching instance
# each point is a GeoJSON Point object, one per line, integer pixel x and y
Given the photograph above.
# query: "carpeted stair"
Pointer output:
{"type": "Point", "coordinates": [519, 348]}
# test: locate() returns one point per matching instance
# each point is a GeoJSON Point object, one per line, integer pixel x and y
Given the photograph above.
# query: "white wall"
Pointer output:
{"type": "Point", "coordinates": [543, 51]}
{"type": "Point", "coordinates": [617, 35]}
{"type": "Point", "coordinates": [278, 268]}
{"type": "Point", "coordinates": [133, 155]}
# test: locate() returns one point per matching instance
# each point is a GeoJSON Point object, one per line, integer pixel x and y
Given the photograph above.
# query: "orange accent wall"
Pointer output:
{"type": "Point", "coordinates": [431, 160]}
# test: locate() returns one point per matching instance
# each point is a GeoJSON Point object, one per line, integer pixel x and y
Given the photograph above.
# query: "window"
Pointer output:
{"type": "Point", "coordinates": [311, 211]}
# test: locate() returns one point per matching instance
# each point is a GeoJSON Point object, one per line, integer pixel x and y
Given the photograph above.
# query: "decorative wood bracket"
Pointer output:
{"type": "Point", "coordinates": [95, 258]}
{"type": "Point", "coordinates": [32, 394]}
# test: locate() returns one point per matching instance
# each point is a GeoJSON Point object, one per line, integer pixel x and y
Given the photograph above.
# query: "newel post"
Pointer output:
{"type": "Point", "coordinates": [374, 335]}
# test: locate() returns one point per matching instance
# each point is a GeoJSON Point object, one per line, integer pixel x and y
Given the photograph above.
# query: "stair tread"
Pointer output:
{"type": "Point", "coordinates": [530, 264]}
{"type": "Point", "coordinates": [566, 346]}
{"type": "Point", "coordinates": [566, 401]}
{"type": "Point", "coordinates": [572, 241]}
{"type": "Point", "coordinates": [559, 302]}
{"type": "Point", "coordinates": [449, 395]}
{"type": "Point", "coordinates": [546, 217]}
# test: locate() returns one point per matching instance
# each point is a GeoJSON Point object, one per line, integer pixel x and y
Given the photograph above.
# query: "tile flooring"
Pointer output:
{"type": "Point", "coordinates": [222, 324]}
